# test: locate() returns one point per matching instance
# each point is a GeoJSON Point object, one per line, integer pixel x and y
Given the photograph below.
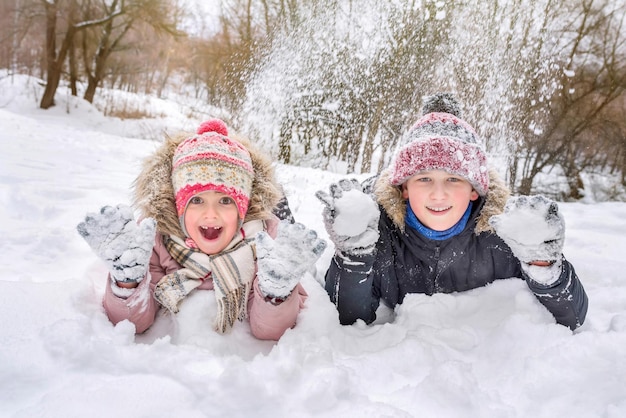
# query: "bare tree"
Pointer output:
{"type": "Point", "coordinates": [110, 35]}
{"type": "Point", "coordinates": [593, 78]}
{"type": "Point", "coordinates": [55, 57]}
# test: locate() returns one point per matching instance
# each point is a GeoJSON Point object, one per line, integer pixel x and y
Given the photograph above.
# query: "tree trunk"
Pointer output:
{"type": "Point", "coordinates": [576, 187]}
{"type": "Point", "coordinates": [54, 61]}
{"type": "Point", "coordinates": [52, 83]}
{"type": "Point", "coordinates": [90, 92]}
{"type": "Point", "coordinates": [73, 69]}
{"type": "Point", "coordinates": [53, 72]}
{"type": "Point", "coordinates": [526, 185]}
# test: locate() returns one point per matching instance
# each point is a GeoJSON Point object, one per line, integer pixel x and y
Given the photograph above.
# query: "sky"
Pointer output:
{"type": "Point", "coordinates": [489, 352]}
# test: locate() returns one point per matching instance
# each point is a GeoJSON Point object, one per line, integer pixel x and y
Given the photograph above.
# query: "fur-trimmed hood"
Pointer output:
{"type": "Point", "coordinates": [154, 192]}
{"type": "Point", "coordinates": [390, 198]}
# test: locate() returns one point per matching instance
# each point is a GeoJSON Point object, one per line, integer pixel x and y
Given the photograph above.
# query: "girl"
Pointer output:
{"type": "Point", "coordinates": [207, 224]}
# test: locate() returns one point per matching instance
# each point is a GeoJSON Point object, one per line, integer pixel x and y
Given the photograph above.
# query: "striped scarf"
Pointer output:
{"type": "Point", "coordinates": [232, 270]}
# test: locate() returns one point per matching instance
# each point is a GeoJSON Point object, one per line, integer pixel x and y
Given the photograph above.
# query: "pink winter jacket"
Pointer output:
{"type": "Point", "coordinates": [267, 321]}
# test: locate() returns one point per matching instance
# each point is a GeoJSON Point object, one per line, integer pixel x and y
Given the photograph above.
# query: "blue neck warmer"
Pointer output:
{"type": "Point", "coordinates": [414, 223]}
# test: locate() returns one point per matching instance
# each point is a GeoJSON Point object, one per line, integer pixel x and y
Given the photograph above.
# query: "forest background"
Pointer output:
{"type": "Point", "coordinates": [334, 84]}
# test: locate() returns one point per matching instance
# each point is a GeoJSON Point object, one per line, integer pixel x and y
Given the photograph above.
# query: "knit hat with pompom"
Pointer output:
{"type": "Point", "coordinates": [211, 161]}
{"type": "Point", "coordinates": [441, 140]}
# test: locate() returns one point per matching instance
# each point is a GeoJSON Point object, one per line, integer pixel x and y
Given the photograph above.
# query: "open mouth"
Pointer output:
{"type": "Point", "coordinates": [210, 232]}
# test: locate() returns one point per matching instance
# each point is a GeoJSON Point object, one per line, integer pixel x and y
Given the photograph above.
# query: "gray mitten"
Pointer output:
{"type": "Point", "coordinates": [534, 229]}
{"type": "Point", "coordinates": [115, 237]}
{"type": "Point", "coordinates": [350, 217]}
{"type": "Point", "coordinates": [283, 261]}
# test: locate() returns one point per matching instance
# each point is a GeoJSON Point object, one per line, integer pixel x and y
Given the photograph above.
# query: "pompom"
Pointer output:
{"type": "Point", "coordinates": [441, 103]}
{"type": "Point", "coordinates": [213, 125]}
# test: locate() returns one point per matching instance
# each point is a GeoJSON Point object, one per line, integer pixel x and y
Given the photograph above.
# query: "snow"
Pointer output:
{"type": "Point", "coordinates": [355, 210]}
{"type": "Point", "coordinates": [534, 229]}
{"type": "Point", "coordinates": [493, 351]}
{"type": "Point", "coordinates": [115, 236]}
{"type": "Point", "coordinates": [569, 73]}
{"type": "Point", "coordinates": [283, 261]}
{"type": "Point", "coordinates": [520, 227]}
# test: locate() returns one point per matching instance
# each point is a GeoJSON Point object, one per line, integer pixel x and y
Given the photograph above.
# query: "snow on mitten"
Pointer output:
{"type": "Point", "coordinates": [116, 238]}
{"type": "Point", "coordinates": [350, 217]}
{"type": "Point", "coordinates": [283, 261]}
{"type": "Point", "coordinates": [534, 229]}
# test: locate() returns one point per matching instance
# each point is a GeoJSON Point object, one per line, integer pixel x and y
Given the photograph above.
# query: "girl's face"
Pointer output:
{"type": "Point", "coordinates": [438, 199]}
{"type": "Point", "coordinates": [211, 220]}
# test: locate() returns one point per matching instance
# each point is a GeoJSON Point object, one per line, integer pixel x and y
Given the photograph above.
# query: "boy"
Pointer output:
{"type": "Point", "coordinates": [432, 228]}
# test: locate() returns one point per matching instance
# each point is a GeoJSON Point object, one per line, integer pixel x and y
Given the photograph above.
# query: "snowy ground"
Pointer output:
{"type": "Point", "coordinates": [490, 352]}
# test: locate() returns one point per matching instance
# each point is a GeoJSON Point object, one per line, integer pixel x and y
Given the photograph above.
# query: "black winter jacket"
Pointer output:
{"type": "Point", "coordinates": [405, 261]}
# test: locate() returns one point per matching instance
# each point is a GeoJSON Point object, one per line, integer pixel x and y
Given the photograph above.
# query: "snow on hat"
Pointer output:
{"type": "Point", "coordinates": [211, 161]}
{"type": "Point", "coordinates": [441, 140]}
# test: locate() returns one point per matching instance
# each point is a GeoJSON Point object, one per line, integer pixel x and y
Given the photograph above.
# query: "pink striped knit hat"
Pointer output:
{"type": "Point", "coordinates": [211, 161]}
{"type": "Point", "coordinates": [441, 140]}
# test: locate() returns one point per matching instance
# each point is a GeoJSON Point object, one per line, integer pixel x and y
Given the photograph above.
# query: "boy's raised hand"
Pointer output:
{"type": "Point", "coordinates": [534, 229]}
{"type": "Point", "coordinates": [116, 238]}
{"type": "Point", "coordinates": [283, 261]}
{"type": "Point", "coordinates": [350, 217]}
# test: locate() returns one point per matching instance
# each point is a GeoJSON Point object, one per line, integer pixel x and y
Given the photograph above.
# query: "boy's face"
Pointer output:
{"type": "Point", "coordinates": [438, 199]}
{"type": "Point", "coordinates": [211, 220]}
